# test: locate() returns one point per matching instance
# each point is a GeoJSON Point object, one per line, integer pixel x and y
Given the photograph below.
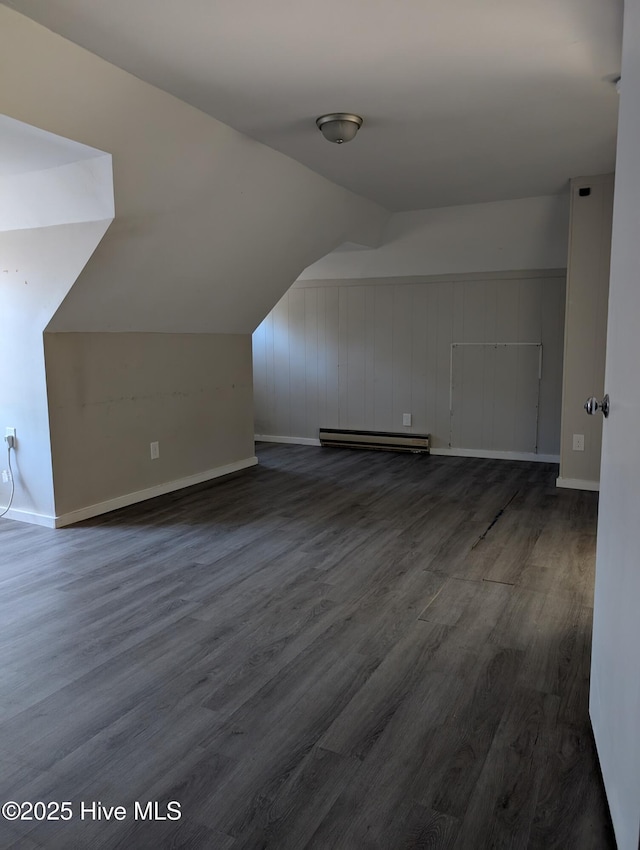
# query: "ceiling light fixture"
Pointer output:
{"type": "Point", "coordinates": [339, 127]}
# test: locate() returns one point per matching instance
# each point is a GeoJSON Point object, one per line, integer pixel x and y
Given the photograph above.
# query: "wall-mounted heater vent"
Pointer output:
{"type": "Point", "coordinates": [381, 440]}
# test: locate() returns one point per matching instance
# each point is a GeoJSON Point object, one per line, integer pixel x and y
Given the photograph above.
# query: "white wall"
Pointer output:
{"type": "Point", "coordinates": [78, 191]}
{"type": "Point", "coordinates": [615, 668]}
{"type": "Point", "coordinates": [111, 395]}
{"type": "Point", "coordinates": [379, 322]}
{"type": "Point", "coordinates": [24, 148]}
{"type": "Point", "coordinates": [51, 219]}
{"type": "Point", "coordinates": [360, 353]}
{"type": "Point", "coordinates": [585, 328]}
{"type": "Point", "coordinates": [530, 233]}
{"type": "Point", "coordinates": [37, 267]}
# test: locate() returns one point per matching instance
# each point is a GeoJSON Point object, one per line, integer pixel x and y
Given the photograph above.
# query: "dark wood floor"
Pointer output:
{"type": "Point", "coordinates": [336, 649]}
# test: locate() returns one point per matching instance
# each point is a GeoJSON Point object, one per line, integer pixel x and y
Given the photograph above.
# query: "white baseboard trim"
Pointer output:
{"type": "Point", "coordinates": [30, 517]}
{"type": "Point", "coordinates": [152, 492]}
{"type": "Point", "coordinates": [496, 455]}
{"type": "Point", "coordinates": [298, 441]}
{"type": "Point", "coordinates": [577, 484]}
{"type": "Point", "coordinates": [481, 453]}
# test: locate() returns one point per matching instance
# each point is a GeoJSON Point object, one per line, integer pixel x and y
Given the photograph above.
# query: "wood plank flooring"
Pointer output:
{"type": "Point", "coordinates": [336, 649]}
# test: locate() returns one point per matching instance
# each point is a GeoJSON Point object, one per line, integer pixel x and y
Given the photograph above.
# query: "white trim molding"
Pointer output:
{"type": "Point", "coordinates": [497, 455]}
{"type": "Point", "coordinates": [30, 517]}
{"type": "Point", "coordinates": [152, 492]}
{"type": "Point", "coordinates": [480, 453]}
{"type": "Point", "coordinates": [457, 277]}
{"type": "Point", "coordinates": [297, 441]}
{"type": "Point", "coordinates": [577, 484]}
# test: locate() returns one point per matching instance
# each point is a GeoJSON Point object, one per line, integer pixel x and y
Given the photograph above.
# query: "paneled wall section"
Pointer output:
{"type": "Point", "coordinates": [360, 353]}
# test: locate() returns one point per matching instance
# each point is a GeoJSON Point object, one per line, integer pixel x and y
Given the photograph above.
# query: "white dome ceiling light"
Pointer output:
{"type": "Point", "coordinates": [339, 127]}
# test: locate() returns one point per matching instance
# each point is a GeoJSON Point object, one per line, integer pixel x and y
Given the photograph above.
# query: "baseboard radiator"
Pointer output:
{"type": "Point", "coordinates": [381, 440]}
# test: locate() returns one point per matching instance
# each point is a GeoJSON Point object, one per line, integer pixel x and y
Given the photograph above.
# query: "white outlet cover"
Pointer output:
{"type": "Point", "coordinates": [578, 442]}
{"type": "Point", "coordinates": [155, 450]}
{"type": "Point", "coordinates": [406, 419]}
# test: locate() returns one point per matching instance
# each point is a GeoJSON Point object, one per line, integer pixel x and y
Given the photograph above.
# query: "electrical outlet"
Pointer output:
{"type": "Point", "coordinates": [406, 419]}
{"type": "Point", "coordinates": [10, 437]}
{"type": "Point", "coordinates": [578, 442]}
{"type": "Point", "coordinates": [155, 450]}
{"type": "Point", "coordinates": [5, 476]}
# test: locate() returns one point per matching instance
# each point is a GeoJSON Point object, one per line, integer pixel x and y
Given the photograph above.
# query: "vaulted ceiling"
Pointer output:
{"type": "Point", "coordinates": [463, 101]}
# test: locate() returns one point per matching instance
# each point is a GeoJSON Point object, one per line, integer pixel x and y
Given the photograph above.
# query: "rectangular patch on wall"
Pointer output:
{"type": "Point", "coordinates": [495, 390]}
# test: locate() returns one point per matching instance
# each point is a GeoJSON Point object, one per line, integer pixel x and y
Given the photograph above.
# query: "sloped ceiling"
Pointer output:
{"type": "Point", "coordinates": [463, 101]}
{"type": "Point", "coordinates": [25, 149]}
{"type": "Point", "coordinates": [211, 227]}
